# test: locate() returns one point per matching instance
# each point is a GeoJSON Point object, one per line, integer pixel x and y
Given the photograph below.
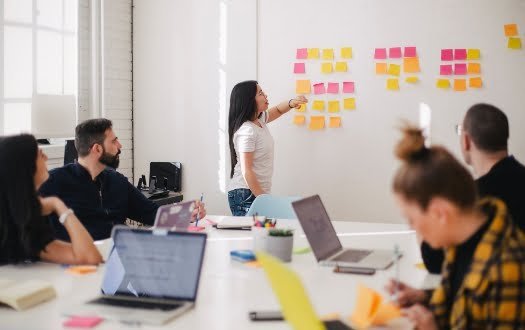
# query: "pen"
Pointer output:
{"type": "Point", "coordinates": [396, 256]}
{"type": "Point", "coordinates": [198, 211]}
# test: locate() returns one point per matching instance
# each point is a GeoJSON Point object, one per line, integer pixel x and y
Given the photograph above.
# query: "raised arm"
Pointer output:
{"type": "Point", "coordinates": [285, 106]}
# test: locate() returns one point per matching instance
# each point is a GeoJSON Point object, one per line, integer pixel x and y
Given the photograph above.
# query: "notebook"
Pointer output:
{"type": "Point", "coordinates": [227, 222]}
{"type": "Point", "coordinates": [22, 295]}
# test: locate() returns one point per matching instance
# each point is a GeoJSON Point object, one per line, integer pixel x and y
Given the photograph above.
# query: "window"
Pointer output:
{"type": "Point", "coordinates": [40, 48]}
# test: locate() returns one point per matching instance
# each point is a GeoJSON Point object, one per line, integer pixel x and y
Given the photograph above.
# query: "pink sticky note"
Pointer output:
{"type": "Point", "coordinates": [319, 88]}
{"type": "Point", "coordinates": [447, 55]}
{"type": "Point", "coordinates": [445, 70]}
{"type": "Point", "coordinates": [196, 228]}
{"type": "Point", "coordinates": [302, 53]}
{"type": "Point", "coordinates": [333, 88]}
{"type": "Point", "coordinates": [82, 321]}
{"type": "Point", "coordinates": [394, 52]}
{"type": "Point", "coordinates": [410, 52]}
{"type": "Point", "coordinates": [460, 54]}
{"type": "Point", "coordinates": [348, 87]}
{"type": "Point", "coordinates": [460, 68]}
{"type": "Point", "coordinates": [298, 68]}
{"type": "Point", "coordinates": [380, 54]}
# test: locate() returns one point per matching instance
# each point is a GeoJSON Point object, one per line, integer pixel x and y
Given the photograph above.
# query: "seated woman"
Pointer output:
{"type": "Point", "coordinates": [484, 272]}
{"type": "Point", "coordinates": [25, 233]}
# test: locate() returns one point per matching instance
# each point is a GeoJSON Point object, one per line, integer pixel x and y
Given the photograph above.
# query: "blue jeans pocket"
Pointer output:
{"type": "Point", "coordinates": [240, 201]}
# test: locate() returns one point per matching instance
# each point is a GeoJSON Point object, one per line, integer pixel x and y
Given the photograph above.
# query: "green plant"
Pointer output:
{"type": "Point", "coordinates": [280, 232]}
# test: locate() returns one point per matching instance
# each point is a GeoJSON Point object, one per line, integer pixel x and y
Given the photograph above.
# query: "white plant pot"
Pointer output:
{"type": "Point", "coordinates": [280, 247]}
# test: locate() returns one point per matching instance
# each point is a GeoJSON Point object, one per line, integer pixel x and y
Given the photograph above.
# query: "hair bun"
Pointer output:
{"type": "Point", "coordinates": [412, 143]}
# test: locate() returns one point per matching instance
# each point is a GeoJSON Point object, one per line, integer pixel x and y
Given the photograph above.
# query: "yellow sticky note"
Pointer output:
{"type": "Point", "coordinates": [327, 67]}
{"type": "Point", "coordinates": [346, 52]}
{"type": "Point", "coordinates": [303, 87]}
{"type": "Point", "coordinates": [333, 106]}
{"type": "Point", "coordinates": [420, 265]}
{"type": "Point", "coordinates": [514, 43]}
{"type": "Point", "coordinates": [474, 68]}
{"type": "Point", "coordinates": [341, 67]}
{"type": "Point", "coordinates": [318, 105]}
{"type": "Point", "coordinates": [302, 108]}
{"type": "Point", "coordinates": [316, 123]}
{"type": "Point", "coordinates": [473, 54]}
{"type": "Point", "coordinates": [411, 65]}
{"type": "Point", "coordinates": [475, 82]}
{"type": "Point", "coordinates": [313, 53]}
{"type": "Point", "coordinates": [335, 122]}
{"type": "Point", "coordinates": [511, 30]}
{"type": "Point", "coordinates": [299, 119]}
{"type": "Point", "coordinates": [443, 83]}
{"type": "Point", "coordinates": [328, 54]}
{"type": "Point", "coordinates": [349, 103]}
{"type": "Point", "coordinates": [381, 68]}
{"type": "Point", "coordinates": [394, 69]}
{"type": "Point", "coordinates": [392, 84]}
{"type": "Point", "coordinates": [460, 85]}
{"type": "Point", "coordinates": [412, 79]}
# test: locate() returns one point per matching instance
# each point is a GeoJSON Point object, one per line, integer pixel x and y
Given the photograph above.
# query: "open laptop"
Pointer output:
{"type": "Point", "coordinates": [174, 216]}
{"type": "Point", "coordinates": [326, 245]}
{"type": "Point", "coordinates": [295, 304]}
{"type": "Point", "coordinates": [152, 276]}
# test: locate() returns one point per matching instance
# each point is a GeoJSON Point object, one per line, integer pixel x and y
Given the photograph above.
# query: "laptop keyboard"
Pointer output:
{"type": "Point", "coordinates": [352, 255]}
{"type": "Point", "coordinates": [136, 304]}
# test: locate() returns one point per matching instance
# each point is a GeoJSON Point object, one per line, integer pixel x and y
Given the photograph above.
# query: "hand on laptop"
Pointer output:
{"type": "Point", "coordinates": [200, 208]}
{"type": "Point", "coordinates": [406, 295]}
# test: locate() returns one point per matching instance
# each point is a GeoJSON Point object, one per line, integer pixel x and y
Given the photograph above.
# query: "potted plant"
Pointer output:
{"type": "Point", "coordinates": [279, 243]}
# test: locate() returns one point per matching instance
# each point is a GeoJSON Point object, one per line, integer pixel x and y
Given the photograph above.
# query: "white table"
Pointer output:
{"type": "Point", "coordinates": [229, 290]}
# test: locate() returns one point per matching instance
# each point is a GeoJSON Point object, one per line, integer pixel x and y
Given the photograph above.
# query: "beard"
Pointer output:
{"type": "Point", "coordinates": [110, 160]}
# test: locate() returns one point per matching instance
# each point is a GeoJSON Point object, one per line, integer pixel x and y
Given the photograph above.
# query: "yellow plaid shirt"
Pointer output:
{"type": "Point", "coordinates": [492, 295]}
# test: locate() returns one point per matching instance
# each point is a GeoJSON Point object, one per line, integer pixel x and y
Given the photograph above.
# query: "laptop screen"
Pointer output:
{"type": "Point", "coordinates": [317, 226]}
{"type": "Point", "coordinates": [174, 215]}
{"type": "Point", "coordinates": [158, 264]}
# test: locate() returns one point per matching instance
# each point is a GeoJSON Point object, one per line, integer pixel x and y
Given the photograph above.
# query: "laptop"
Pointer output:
{"type": "Point", "coordinates": [295, 303]}
{"type": "Point", "coordinates": [151, 276]}
{"type": "Point", "coordinates": [326, 245]}
{"type": "Point", "coordinates": [174, 216]}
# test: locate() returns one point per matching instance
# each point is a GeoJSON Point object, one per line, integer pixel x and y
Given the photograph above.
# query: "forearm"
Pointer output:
{"type": "Point", "coordinates": [278, 110]}
{"type": "Point", "coordinates": [253, 183]}
{"type": "Point", "coordinates": [82, 247]}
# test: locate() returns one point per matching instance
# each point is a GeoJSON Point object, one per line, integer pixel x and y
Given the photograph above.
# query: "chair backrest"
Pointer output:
{"type": "Point", "coordinates": [273, 206]}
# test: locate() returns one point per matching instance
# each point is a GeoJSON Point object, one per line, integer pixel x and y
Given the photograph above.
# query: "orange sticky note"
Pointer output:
{"type": "Point", "coordinates": [474, 68]}
{"type": "Point", "coordinates": [316, 123]}
{"type": "Point", "coordinates": [511, 30]}
{"type": "Point", "coordinates": [371, 310]}
{"type": "Point", "coordinates": [313, 53]}
{"type": "Point", "coordinates": [346, 52]}
{"type": "Point", "coordinates": [514, 43]}
{"type": "Point", "coordinates": [460, 85]}
{"type": "Point", "coordinates": [473, 54]}
{"type": "Point", "coordinates": [326, 67]}
{"type": "Point", "coordinates": [328, 54]}
{"type": "Point", "coordinates": [443, 83]}
{"type": "Point", "coordinates": [299, 120]}
{"type": "Point", "coordinates": [335, 122]}
{"type": "Point", "coordinates": [412, 79]}
{"type": "Point", "coordinates": [394, 69]}
{"type": "Point", "coordinates": [333, 106]}
{"type": "Point", "coordinates": [349, 103]}
{"type": "Point", "coordinates": [392, 84]}
{"type": "Point", "coordinates": [475, 82]}
{"type": "Point", "coordinates": [381, 68]}
{"type": "Point", "coordinates": [341, 67]}
{"type": "Point", "coordinates": [81, 270]}
{"type": "Point", "coordinates": [411, 65]}
{"type": "Point", "coordinates": [303, 87]}
{"type": "Point", "coordinates": [318, 105]}
{"type": "Point", "coordinates": [302, 108]}
{"type": "Point", "coordinates": [385, 313]}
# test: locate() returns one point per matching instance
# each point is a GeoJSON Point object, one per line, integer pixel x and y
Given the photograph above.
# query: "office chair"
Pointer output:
{"type": "Point", "coordinates": [70, 152]}
{"type": "Point", "coordinates": [273, 206]}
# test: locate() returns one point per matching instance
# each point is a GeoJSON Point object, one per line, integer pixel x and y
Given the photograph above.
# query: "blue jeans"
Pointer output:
{"type": "Point", "coordinates": [240, 201]}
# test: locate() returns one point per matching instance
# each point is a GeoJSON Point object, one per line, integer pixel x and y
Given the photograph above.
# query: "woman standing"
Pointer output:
{"type": "Point", "coordinates": [251, 144]}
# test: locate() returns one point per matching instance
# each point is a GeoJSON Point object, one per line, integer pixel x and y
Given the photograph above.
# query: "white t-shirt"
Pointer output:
{"type": "Point", "coordinates": [252, 138]}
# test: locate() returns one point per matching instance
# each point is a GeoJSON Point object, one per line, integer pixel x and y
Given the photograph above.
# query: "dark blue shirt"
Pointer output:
{"type": "Point", "coordinates": [99, 204]}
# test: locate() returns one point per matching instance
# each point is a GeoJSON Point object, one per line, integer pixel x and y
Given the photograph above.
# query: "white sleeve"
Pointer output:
{"type": "Point", "coordinates": [244, 139]}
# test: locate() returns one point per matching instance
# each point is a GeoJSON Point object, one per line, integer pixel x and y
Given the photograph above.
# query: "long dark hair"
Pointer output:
{"type": "Point", "coordinates": [20, 210]}
{"type": "Point", "coordinates": [242, 109]}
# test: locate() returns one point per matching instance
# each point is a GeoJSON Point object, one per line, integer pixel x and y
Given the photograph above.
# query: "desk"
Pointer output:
{"type": "Point", "coordinates": [229, 290]}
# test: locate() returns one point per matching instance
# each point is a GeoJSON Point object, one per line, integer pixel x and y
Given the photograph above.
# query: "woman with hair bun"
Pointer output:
{"type": "Point", "coordinates": [483, 275]}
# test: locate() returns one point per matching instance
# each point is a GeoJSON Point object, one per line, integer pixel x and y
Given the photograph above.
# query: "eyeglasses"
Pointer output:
{"type": "Point", "coordinates": [459, 129]}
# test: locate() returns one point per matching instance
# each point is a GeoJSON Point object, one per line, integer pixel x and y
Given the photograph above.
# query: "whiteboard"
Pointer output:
{"type": "Point", "coordinates": [352, 167]}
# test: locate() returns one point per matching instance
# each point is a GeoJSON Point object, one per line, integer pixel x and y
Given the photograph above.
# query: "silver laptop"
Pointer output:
{"type": "Point", "coordinates": [152, 276]}
{"type": "Point", "coordinates": [326, 245]}
{"type": "Point", "coordinates": [174, 216]}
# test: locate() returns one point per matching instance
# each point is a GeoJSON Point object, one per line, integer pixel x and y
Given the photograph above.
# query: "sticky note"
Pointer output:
{"type": "Point", "coordinates": [381, 68]}
{"type": "Point", "coordinates": [392, 84]}
{"type": "Point", "coordinates": [316, 123]}
{"type": "Point", "coordinates": [473, 54]}
{"type": "Point", "coordinates": [81, 270]}
{"type": "Point", "coordinates": [313, 53]}
{"type": "Point", "coordinates": [348, 87]}
{"type": "Point", "coordinates": [349, 103]}
{"type": "Point", "coordinates": [298, 68]}
{"type": "Point", "coordinates": [475, 82]}
{"type": "Point", "coordinates": [328, 54]}
{"type": "Point", "coordinates": [341, 67]}
{"type": "Point", "coordinates": [380, 53]}
{"type": "Point", "coordinates": [514, 43]}
{"type": "Point", "coordinates": [319, 88]}
{"type": "Point", "coordinates": [460, 85]}
{"type": "Point", "coordinates": [511, 30]}
{"type": "Point", "coordinates": [443, 83]}
{"type": "Point", "coordinates": [318, 105]}
{"type": "Point", "coordinates": [335, 122]}
{"type": "Point", "coordinates": [394, 52]}
{"type": "Point", "coordinates": [473, 68]}
{"type": "Point", "coordinates": [460, 68]}
{"type": "Point", "coordinates": [82, 321]}
{"type": "Point", "coordinates": [302, 87]}
{"type": "Point", "coordinates": [411, 65]}
{"type": "Point", "coordinates": [302, 108]}
{"type": "Point", "coordinates": [410, 52]}
{"type": "Point", "coordinates": [302, 54]}
{"type": "Point", "coordinates": [447, 55]}
{"type": "Point", "coordinates": [412, 79]}
{"type": "Point", "coordinates": [372, 310]}
{"type": "Point", "coordinates": [333, 106]}
{"type": "Point", "coordinates": [333, 88]}
{"type": "Point", "coordinates": [299, 120]}
{"type": "Point", "coordinates": [460, 54]}
{"type": "Point", "coordinates": [346, 52]}
{"type": "Point", "coordinates": [445, 69]}
{"type": "Point", "coordinates": [394, 69]}
{"type": "Point", "coordinates": [327, 67]}
{"type": "Point", "coordinates": [385, 313]}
